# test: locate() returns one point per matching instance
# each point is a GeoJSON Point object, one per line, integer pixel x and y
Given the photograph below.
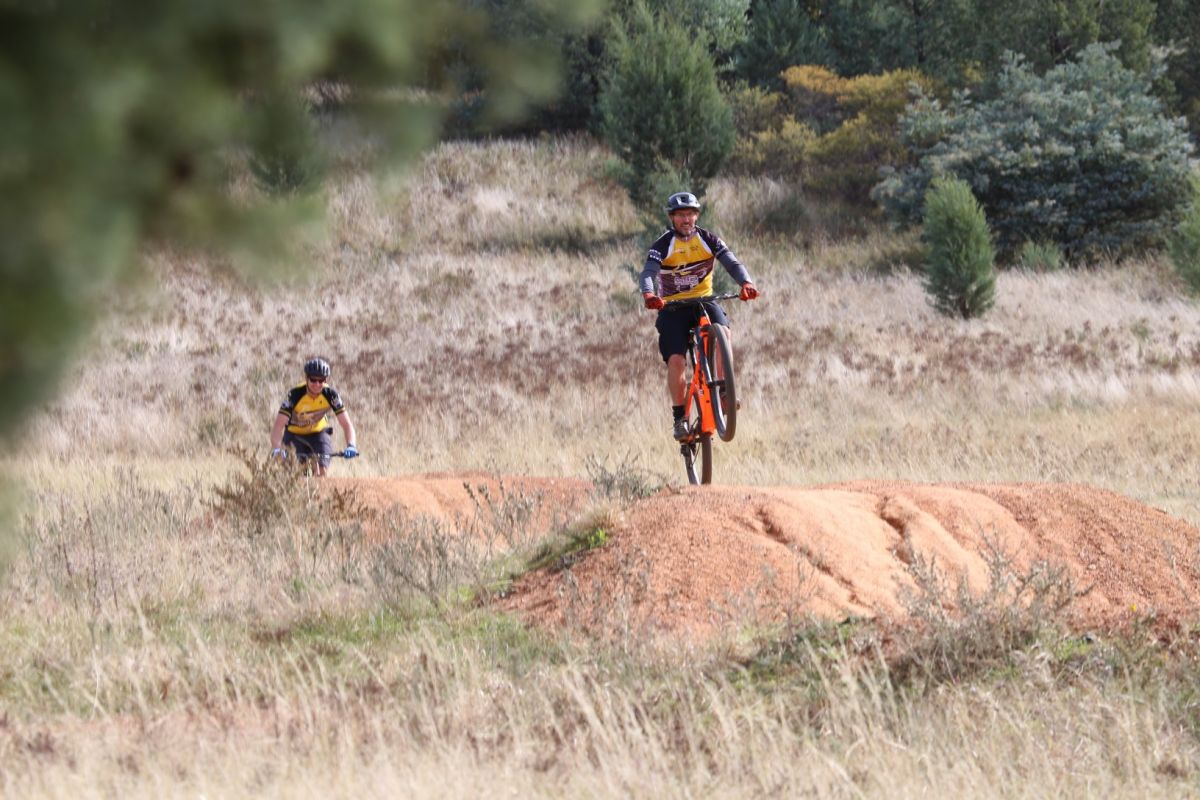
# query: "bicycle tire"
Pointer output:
{"type": "Point", "coordinates": [724, 403]}
{"type": "Point", "coordinates": [698, 441]}
{"type": "Point", "coordinates": [703, 443]}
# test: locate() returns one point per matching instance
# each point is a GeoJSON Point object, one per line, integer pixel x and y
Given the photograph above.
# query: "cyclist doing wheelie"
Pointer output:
{"type": "Point", "coordinates": [679, 266]}
{"type": "Point", "coordinates": [303, 419]}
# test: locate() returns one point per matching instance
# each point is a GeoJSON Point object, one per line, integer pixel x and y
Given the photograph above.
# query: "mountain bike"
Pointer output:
{"type": "Point", "coordinates": [305, 461]}
{"type": "Point", "coordinates": [710, 402]}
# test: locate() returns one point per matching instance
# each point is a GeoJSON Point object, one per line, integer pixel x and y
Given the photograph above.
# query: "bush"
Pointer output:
{"type": "Point", "coordinates": [835, 133]}
{"type": "Point", "coordinates": [960, 278]}
{"type": "Point", "coordinates": [1081, 157]}
{"type": "Point", "coordinates": [287, 157]}
{"type": "Point", "coordinates": [661, 110]}
{"type": "Point", "coordinates": [1184, 245]}
{"type": "Point", "coordinates": [1039, 257]}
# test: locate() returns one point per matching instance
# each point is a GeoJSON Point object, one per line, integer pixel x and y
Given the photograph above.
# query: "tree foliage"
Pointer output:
{"type": "Point", "coordinates": [661, 110]}
{"type": "Point", "coordinates": [1177, 28]}
{"type": "Point", "coordinates": [833, 133]}
{"type": "Point", "coordinates": [960, 278]}
{"type": "Point", "coordinates": [958, 41]}
{"type": "Point", "coordinates": [781, 34]}
{"type": "Point", "coordinates": [1184, 244]}
{"type": "Point", "coordinates": [1082, 157]}
{"type": "Point", "coordinates": [123, 124]}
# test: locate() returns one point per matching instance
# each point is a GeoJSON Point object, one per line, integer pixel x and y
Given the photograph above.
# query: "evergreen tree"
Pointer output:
{"type": "Point", "coordinates": [1184, 245]}
{"type": "Point", "coordinates": [1081, 157]}
{"type": "Point", "coordinates": [782, 34]}
{"type": "Point", "coordinates": [661, 110]}
{"type": "Point", "coordinates": [960, 277]}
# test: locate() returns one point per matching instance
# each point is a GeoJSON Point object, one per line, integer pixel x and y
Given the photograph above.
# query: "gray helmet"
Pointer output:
{"type": "Point", "coordinates": [316, 368]}
{"type": "Point", "coordinates": [682, 200]}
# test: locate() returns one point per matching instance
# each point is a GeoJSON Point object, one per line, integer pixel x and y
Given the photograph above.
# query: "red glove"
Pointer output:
{"type": "Point", "coordinates": [653, 301]}
{"type": "Point", "coordinates": [748, 291]}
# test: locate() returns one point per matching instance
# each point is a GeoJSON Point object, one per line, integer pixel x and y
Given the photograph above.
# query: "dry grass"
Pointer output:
{"type": "Point", "coordinates": [481, 314]}
{"type": "Point", "coordinates": [149, 649]}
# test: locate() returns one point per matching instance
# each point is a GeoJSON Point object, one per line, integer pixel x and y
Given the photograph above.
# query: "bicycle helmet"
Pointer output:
{"type": "Point", "coordinates": [316, 368]}
{"type": "Point", "coordinates": [682, 200]}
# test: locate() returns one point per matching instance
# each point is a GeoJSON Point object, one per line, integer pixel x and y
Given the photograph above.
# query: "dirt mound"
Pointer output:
{"type": "Point", "coordinates": [688, 562]}
{"type": "Point", "coordinates": [542, 503]}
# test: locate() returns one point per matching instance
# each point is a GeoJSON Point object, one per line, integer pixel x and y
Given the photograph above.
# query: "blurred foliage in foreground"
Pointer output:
{"type": "Point", "coordinates": [128, 125]}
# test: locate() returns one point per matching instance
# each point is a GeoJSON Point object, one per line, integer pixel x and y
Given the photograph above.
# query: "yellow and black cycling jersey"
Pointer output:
{"type": "Point", "coordinates": [683, 268]}
{"type": "Point", "coordinates": [308, 414]}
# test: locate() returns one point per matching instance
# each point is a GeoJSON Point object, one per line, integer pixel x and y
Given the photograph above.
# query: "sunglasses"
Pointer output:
{"type": "Point", "coordinates": [311, 379]}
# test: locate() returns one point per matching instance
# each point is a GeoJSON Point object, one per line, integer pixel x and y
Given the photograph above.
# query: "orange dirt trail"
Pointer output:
{"type": "Point", "coordinates": [687, 562]}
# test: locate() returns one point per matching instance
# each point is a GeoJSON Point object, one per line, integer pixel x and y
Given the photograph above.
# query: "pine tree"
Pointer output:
{"type": "Point", "coordinates": [661, 109]}
{"type": "Point", "coordinates": [960, 278]}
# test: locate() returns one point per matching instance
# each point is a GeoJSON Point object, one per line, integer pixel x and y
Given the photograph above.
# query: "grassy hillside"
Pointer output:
{"type": "Point", "coordinates": [483, 312]}
{"type": "Point", "coordinates": [481, 315]}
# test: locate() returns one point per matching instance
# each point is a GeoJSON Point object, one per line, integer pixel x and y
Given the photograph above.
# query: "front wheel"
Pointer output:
{"type": "Point", "coordinates": [724, 388]}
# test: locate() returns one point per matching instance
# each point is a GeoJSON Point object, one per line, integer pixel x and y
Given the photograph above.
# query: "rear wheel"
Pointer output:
{"type": "Point", "coordinates": [698, 450]}
{"type": "Point", "coordinates": [724, 388]}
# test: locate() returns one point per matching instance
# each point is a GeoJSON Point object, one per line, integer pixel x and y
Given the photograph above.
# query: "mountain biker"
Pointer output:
{"type": "Point", "coordinates": [303, 419]}
{"type": "Point", "coordinates": [679, 266]}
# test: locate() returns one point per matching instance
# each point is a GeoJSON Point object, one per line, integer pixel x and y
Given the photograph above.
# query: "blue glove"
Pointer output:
{"type": "Point", "coordinates": [279, 453]}
{"type": "Point", "coordinates": [350, 452]}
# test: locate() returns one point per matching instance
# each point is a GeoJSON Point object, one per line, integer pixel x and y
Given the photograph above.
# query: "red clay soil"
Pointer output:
{"type": "Point", "coordinates": [465, 496]}
{"type": "Point", "coordinates": [686, 563]}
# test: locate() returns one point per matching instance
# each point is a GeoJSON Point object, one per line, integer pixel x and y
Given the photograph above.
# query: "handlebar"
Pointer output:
{"type": "Point", "coordinates": [695, 301]}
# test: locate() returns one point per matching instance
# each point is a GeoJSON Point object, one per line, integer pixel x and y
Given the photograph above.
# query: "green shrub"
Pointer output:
{"type": "Point", "coordinates": [1184, 245]}
{"type": "Point", "coordinates": [1081, 157]}
{"type": "Point", "coordinates": [286, 159]}
{"type": "Point", "coordinates": [1039, 257]}
{"type": "Point", "coordinates": [960, 278]}
{"type": "Point", "coordinates": [661, 110]}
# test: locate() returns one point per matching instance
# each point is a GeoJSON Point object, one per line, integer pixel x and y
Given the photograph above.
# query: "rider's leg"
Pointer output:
{"type": "Point", "coordinates": [676, 379]}
{"type": "Point", "coordinates": [672, 344]}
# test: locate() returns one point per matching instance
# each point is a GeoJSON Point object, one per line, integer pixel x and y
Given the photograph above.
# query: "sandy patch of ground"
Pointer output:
{"type": "Point", "coordinates": [459, 498]}
{"type": "Point", "coordinates": [688, 562]}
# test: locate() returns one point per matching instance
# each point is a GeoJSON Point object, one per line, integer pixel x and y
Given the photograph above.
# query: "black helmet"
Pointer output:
{"type": "Point", "coordinates": [316, 368]}
{"type": "Point", "coordinates": [682, 200]}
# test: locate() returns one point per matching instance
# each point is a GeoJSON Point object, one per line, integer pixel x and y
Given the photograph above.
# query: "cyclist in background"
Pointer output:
{"type": "Point", "coordinates": [303, 419]}
{"type": "Point", "coordinates": [679, 266]}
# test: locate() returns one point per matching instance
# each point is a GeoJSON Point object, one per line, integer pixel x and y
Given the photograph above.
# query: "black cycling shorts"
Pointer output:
{"type": "Point", "coordinates": [673, 325]}
{"type": "Point", "coordinates": [307, 445]}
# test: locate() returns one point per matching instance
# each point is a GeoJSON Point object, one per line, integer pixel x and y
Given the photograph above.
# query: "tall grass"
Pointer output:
{"type": "Point", "coordinates": [166, 647]}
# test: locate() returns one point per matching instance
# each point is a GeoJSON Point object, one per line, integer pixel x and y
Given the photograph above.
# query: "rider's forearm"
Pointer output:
{"type": "Point", "coordinates": [347, 428]}
{"type": "Point", "coordinates": [736, 269]}
{"type": "Point", "coordinates": [648, 280]}
{"type": "Point", "coordinates": [281, 421]}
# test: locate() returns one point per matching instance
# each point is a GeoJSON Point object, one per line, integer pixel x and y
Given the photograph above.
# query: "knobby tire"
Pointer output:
{"type": "Point", "coordinates": [700, 444]}
{"type": "Point", "coordinates": [724, 410]}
